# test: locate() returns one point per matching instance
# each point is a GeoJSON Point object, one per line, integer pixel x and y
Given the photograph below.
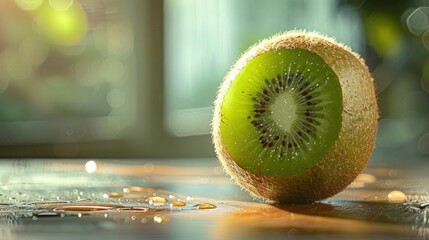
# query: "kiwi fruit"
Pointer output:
{"type": "Point", "coordinates": [295, 118]}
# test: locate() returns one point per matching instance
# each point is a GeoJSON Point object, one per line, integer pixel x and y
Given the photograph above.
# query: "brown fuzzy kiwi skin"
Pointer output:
{"type": "Point", "coordinates": [348, 154]}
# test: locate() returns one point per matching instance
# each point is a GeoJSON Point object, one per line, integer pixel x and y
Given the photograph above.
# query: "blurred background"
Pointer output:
{"type": "Point", "coordinates": [137, 78]}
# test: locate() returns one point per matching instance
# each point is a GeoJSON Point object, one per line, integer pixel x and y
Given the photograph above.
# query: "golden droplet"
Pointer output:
{"type": "Point", "coordinates": [179, 204]}
{"type": "Point", "coordinates": [86, 208]}
{"type": "Point", "coordinates": [157, 199]}
{"type": "Point", "coordinates": [115, 195]}
{"type": "Point", "coordinates": [138, 189]}
{"type": "Point", "coordinates": [366, 178]}
{"type": "Point", "coordinates": [205, 206]}
{"type": "Point", "coordinates": [397, 197]}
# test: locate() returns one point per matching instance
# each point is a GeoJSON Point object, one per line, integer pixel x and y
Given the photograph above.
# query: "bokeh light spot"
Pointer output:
{"type": "Point", "coordinates": [384, 34]}
{"type": "Point", "coordinates": [66, 28]}
{"type": "Point", "coordinates": [90, 166]}
{"type": "Point", "coordinates": [425, 39]}
{"type": "Point", "coordinates": [114, 39]}
{"type": "Point", "coordinates": [61, 5]}
{"type": "Point", "coordinates": [418, 20]}
{"type": "Point", "coordinates": [116, 98]}
{"type": "Point", "coordinates": [157, 219]}
{"type": "Point", "coordinates": [17, 66]}
{"type": "Point", "coordinates": [29, 5]}
{"type": "Point", "coordinates": [423, 144]}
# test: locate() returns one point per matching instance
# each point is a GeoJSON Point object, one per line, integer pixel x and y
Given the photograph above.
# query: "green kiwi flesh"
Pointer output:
{"type": "Point", "coordinates": [281, 112]}
{"type": "Point", "coordinates": [281, 146]}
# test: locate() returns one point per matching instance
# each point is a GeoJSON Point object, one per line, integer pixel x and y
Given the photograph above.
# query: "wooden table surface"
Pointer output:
{"type": "Point", "coordinates": [194, 199]}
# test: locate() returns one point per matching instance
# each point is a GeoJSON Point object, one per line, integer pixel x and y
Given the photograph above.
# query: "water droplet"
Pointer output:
{"type": "Point", "coordinates": [179, 204]}
{"type": "Point", "coordinates": [115, 195]}
{"type": "Point", "coordinates": [139, 189]}
{"type": "Point", "coordinates": [144, 220]}
{"type": "Point", "coordinates": [205, 206]}
{"type": "Point", "coordinates": [366, 178]}
{"type": "Point", "coordinates": [397, 196]}
{"type": "Point", "coordinates": [134, 209]}
{"type": "Point", "coordinates": [47, 214]}
{"type": "Point", "coordinates": [48, 203]}
{"type": "Point", "coordinates": [87, 208]}
{"type": "Point", "coordinates": [157, 200]}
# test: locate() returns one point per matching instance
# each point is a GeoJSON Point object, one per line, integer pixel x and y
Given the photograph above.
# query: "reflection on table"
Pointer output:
{"type": "Point", "coordinates": [183, 199]}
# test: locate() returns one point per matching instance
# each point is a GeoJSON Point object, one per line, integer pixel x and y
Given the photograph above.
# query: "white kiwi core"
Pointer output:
{"type": "Point", "coordinates": [283, 111]}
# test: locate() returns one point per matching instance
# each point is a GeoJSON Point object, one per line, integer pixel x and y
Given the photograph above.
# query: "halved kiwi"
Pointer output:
{"type": "Point", "coordinates": [295, 118]}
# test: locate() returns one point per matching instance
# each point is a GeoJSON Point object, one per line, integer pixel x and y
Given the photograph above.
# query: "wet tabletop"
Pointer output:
{"type": "Point", "coordinates": [194, 199]}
